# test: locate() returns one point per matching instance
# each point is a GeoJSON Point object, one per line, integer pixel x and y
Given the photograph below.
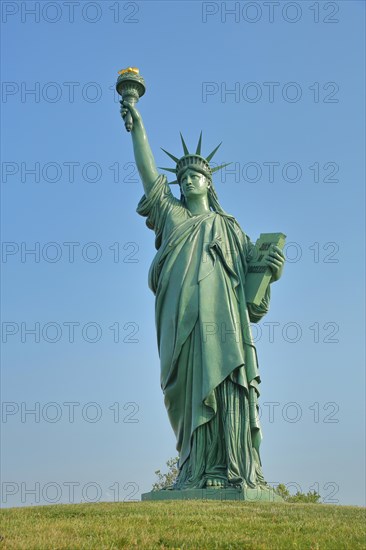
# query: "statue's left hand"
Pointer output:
{"type": "Point", "coordinates": [275, 260]}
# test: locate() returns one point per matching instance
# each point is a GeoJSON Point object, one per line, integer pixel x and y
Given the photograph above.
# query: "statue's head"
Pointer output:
{"type": "Point", "coordinates": [193, 171]}
{"type": "Point", "coordinates": [194, 182]}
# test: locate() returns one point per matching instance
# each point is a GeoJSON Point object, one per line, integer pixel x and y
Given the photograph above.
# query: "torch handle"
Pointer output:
{"type": "Point", "coordinates": [128, 118]}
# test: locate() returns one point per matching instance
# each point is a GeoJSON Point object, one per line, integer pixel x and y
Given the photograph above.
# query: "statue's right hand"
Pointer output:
{"type": "Point", "coordinates": [127, 107]}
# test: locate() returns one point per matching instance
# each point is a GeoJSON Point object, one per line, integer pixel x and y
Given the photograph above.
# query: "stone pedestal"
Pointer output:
{"type": "Point", "coordinates": [249, 495]}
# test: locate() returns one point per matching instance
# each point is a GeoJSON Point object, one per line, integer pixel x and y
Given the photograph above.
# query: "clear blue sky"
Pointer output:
{"type": "Point", "coordinates": [293, 127]}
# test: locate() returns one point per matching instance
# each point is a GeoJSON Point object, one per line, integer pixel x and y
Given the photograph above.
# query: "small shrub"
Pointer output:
{"type": "Point", "coordinates": [309, 497]}
{"type": "Point", "coordinates": [167, 480]}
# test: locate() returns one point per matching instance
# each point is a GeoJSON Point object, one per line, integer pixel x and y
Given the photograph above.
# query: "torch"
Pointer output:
{"type": "Point", "coordinates": [130, 86]}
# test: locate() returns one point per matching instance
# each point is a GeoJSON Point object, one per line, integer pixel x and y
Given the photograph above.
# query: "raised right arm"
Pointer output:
{"type": "Point", "coordinates": [144, 158]}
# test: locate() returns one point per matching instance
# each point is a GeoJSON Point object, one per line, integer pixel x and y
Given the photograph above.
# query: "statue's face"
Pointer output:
{"type": "Point", "coordinates": [193, 183]}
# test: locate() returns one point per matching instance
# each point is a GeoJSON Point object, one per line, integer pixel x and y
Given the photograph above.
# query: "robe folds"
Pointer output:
{"type": "Point", "coordinates": [209, 368]}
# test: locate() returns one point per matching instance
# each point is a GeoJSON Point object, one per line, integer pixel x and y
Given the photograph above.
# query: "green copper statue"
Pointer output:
{"type": "Point", "coordinates": [209, 370]}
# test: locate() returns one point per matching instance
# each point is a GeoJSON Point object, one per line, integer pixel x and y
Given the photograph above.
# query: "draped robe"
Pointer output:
{"type": "Point", "coordinates": [209, 369]}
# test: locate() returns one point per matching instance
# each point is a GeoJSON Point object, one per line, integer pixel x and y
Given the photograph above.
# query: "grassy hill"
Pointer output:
{"type": "Point", "coordinates": [183, 525]}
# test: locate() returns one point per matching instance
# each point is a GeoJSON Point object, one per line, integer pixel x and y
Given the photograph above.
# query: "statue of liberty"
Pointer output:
{"type": "Point", "coordinates": [209, 371]}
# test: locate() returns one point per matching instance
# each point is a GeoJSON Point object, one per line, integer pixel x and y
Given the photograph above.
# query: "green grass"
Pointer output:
{"type": "Point", "coordinates": [189, 524]}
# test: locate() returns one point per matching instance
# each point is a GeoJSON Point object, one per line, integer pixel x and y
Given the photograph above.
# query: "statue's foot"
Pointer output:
{"type": "Point", "coordinates": [215, 483]}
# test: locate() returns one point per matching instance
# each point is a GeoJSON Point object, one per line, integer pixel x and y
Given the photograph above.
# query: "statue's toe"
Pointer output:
{"type": "Point", "coordinates": [215, 483]}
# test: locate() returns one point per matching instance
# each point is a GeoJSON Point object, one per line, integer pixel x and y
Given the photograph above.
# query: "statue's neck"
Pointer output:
{"type": "Point", "coordinates": [198, 205]}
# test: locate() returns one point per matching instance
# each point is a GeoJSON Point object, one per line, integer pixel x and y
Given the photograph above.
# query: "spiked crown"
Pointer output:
{"type": "Point", "coordinates": [194, 160]}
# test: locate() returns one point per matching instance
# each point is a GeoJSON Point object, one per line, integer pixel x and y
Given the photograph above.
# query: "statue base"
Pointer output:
{"type": "Point", "coordinates": [249, 495]}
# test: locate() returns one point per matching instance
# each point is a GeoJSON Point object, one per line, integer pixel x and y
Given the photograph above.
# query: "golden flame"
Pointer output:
{"type": "Point", "coordinates": [129, 70]}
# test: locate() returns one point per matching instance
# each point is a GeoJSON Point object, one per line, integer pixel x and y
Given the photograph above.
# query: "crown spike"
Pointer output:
{"type": "Point", "coordinates": [172, 170]}
{"type": "Point", "coordinates": [198, 150]}
{"type": "Point", "coordinates": [170, 155]}
{"type": "Point", "coordinates": [213, 153]}
{"type": "Point", "coordinates": [185, 148]}
{"type": "Point", "coordinates": [220, 167]}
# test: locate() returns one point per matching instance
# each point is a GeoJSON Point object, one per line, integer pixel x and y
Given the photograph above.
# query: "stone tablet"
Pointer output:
{"type": "Point", "coordinates": [259, 274]}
